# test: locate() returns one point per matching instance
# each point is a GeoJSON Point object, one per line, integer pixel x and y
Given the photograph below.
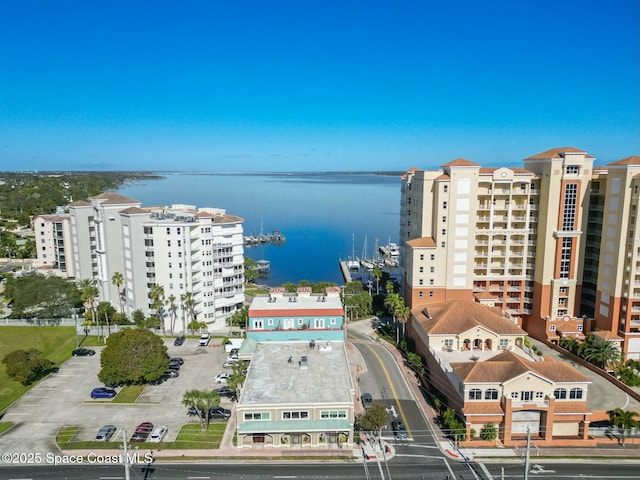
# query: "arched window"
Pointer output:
{"type": "Point", "coordinates": [475, 394]}
{"type": "Point", "coordinates": [491, 394]}
{"type": "Point", "coordinates": [560, 393]}
{"type": "Point", "coordinates": [575, 393]}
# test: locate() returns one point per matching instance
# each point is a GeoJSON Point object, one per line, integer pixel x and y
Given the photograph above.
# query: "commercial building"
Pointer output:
{"type": "Point", "coordinates": [480, 366]}
{"type": "Point", "coordinates": [555, 244]}
{"type": "Point", "coordinates": [298, 391]}
{"type": "Point", "coordinates": [196, 255]}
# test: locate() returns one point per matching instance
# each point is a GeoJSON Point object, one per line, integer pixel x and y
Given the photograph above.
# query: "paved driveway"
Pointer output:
{"type": "Point", "coordinates": [64, 399]}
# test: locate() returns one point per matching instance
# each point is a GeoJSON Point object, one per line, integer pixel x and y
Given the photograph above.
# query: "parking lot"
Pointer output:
{"type": "Point", "coordinates": [63, 398]}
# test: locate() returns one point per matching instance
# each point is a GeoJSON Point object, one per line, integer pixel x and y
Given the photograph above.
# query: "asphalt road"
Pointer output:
{"type": "Point", "coordinates": [315, 471]}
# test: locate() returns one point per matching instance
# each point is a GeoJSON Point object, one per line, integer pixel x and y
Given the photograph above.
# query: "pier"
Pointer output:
{"type": "Point", "coordinates": [275, 238]}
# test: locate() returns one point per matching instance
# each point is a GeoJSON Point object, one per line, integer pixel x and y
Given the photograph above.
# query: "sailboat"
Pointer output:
{"type": "Point", "coordinates": [353, 263]}
{"type": "Point", "coordinates": [366, 263]}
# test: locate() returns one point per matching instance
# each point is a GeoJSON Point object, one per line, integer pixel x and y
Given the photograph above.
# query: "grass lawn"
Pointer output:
{"type": "Point", "coordinates": [55, 343]}
{"type": "Point", "coordinates": [190, 437]}
{"type": "Point", "coordinates": [129, 394]}
{"type": "Point", "coordinates": [4, 426]}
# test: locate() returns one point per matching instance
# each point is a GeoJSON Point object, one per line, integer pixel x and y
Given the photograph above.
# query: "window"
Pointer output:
{"type": "Point", "coordinates": [514, 395]}
{"type": "Point", "coordinates": [431, 282]}
{"type": "Point", "coordinates": [257, 416]}
{"type": "Point", "coordinates": [475, 394]}
{"type": "Point", "coordinates": [444, 231]}
{"type": "Point", "coordinates": [552, 328]}
{"type": "Point", "coordinates": [562, 290]}
{"type": "Point", "coordinates": [448, 342]}
{"type": "Point", "coordinates": [333, 414]}
{"type": "Point", "coordinates": [569, 210]}
{"type": "Point", "coordinates": [579, 328]}
{"type": "Point", "coordinates": [445, 188]}
{"type": "Point", "coordinates": [433, 257]}
{"type": "Point", "coordinates": [491, 394]}
{"type": "Point", "coordinates": [421, 282]}
{"type": "Point", "coordinates": [421, 269]}
{"type": "Point", "coordinates": [443, 244]}
{"type": "Point", "coordinates": [168, 231]}
{"type": "Point", "coordinates": [526, 395]}
{"type": "Point", "coordinates": [560, 393]}
{"type": "Point", "coordinates": [444, 205]}
{"type": "Point", "coordinates": [444, 219]}
{"type": "Point", "coordinates": [422, 256]}
{"type": "Point", "coordinates": [168, 243]}
{"type": "Point", "coordinates": [430, 294]}
{"type": "Point", "coordinates": [420, 294]}
{"type": "Point", "coordinates": [258, 324]}
{"type": "Point", "coordinates": [432, 269]}
{"type": "Point", "coordinates": [523, 186]}
{"type": "Point", "coordinates": [539, 395]}
{"type": "Point", "coordinates": [295, 415]}
{"type": "Point", "coordinates": [575, 393]}
{"type": "Point", "coordinates": [572, 169]}
{"type": "Point", "coordinates": [504, 343]}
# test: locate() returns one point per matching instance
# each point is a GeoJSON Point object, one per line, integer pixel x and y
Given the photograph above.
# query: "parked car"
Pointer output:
{"type": "Point", "coordinates": [171, 373]}
{"type": "Point", "coordinates": [230, 363]}
{"type": "Point", "coordinates": [226, 392]}
{"type": "Point", "coordinates": [179, 360]}
{"type": "Point", "coordinates": [178, 341]}
{"type": "Point", "coordinates": [105, 433]}
{"type": "Point", "coordinates": [367, 400]}
{"type": "Point", "coordinates": [83, 352]}
{"type": "Point", "coordinates": [205, 338]}
{"type": "Point", "coordinates": [174, 365]}
{"type": "Point", "coordinates": [232, 357]}
{"type": "Point", "coordinates": [158, 434]}
{"type": "Point", "coordinates": [222, 378]}
{"type": "Point", "coordinates": [219, 412]}
{"type": "Point", "coordinates": [399, 430]}
{"type": "Point", "coordinates": [142, 432]}
{"type": "Point", "coordinates": [102, 392]}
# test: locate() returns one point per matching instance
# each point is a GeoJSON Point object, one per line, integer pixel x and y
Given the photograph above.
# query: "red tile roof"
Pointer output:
{"type": "Point", "coordinates": [423, 242]}
{"type": "Point", "coordinates": [556, 153]}
{"type": "Point", "coordinates": [633, 160]}
{"type": "Point", "coordinates": [111, 198]}
{"type": "Point", "coordinates": [461, 162]}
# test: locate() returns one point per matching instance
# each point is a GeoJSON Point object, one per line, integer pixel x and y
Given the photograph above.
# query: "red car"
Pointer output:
{"type": "Point", "coordinates": [142, 432]}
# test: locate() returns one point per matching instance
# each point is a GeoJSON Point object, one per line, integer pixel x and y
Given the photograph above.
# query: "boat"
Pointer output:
{"type": "Point", "coordinates": [393, 249]}
{"type": "Point", "coordinates": [353, 263]}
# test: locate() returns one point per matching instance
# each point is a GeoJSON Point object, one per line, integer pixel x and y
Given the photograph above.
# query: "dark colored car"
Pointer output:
{"type": "Point", "coordinates": [105, 433]}
{"type": "Point", "coordinates": [178, 341]}
{"type": "Point", "coordinates": [367, 400]}
{"type": "Point", "coordinates": [170, 374]}
{"type": "Point", "coordinates": [219, 412]}
{"type": "Point", "coordinates": [178, 360]}
{"type": "Point", "coordinates": [101, 392]}
{"type": "Point", "coordinates": [399, 430]}
{"type": "Point", "coordinates": [83, 352]}
{"type": "Point", "coordinates": [226, 392]}
{"type": "Point", "coordinates": [174, 365]}
{"type": "Point", "coordinates": [142, 432]}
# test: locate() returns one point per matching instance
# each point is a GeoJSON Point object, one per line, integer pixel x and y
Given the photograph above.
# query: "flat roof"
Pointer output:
{"type": "Point", "coordinates": [277, 375]}
{"type": "Point", "coordinates": [302, 305]}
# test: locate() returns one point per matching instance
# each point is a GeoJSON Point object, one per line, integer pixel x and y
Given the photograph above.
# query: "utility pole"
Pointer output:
{"type": "Point", "coordinates": [526, 458]}
{"type": "Point", "coordinates": [125, 457]}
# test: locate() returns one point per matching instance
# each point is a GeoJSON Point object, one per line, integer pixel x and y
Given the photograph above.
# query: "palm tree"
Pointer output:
{"type": "Point", "coordinates": [117, 279]}
{"type": "Point", "coordinates": [394, 303]}
{"type": "Point", "coordinates": [156, 294]}
{"type": "Point", "coordinates": [602, 353]}
{"type": "Point", "coordinates": [403, 314]}
{"type": "Point", "coordinates": [189, 302]}
{"type": "Point", "coordinates": [201, 401]}
{"type": "Point", "coordinates": [624, 419]}
{"type": "Point", "coordinates": [377, 274]}
{"type": "Point", "coordinates": [171, 302]}
{"type": "Point", "coordinates": [88, 293]}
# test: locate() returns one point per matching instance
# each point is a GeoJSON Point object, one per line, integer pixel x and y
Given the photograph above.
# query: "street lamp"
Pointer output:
{"type": "Point", "coordinates": [74, 315]}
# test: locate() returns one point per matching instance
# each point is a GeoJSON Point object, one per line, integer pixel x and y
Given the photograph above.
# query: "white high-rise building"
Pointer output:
{"type": "Point", "coordinates": [187, 251]}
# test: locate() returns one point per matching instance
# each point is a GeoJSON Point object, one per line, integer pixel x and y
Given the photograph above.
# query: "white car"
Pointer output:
{"type": "Point", "coordinates": [158, 434]}
{"type": "Point", "coordinates": [205, 338]}
{"type": "Point", "coordinates": [222, 378]}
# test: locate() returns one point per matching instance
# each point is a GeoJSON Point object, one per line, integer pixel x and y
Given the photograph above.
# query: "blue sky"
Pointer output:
{"type": "Point", "coordinates": [314, 85]}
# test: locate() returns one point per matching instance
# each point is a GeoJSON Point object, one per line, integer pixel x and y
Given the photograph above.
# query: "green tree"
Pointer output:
{"type": "Point", "coordinates": [156, 294]}
{"type": "Point", "coordinates": [117, 279]}
{"type": "Point", "coordinates": [624, 419]}
{"type": "Point", "coordinates": [377, 275]}
{"type": "Point", "coordinates": [415, 361]}
{"type": "Point", "coordinates": [138, 318]}
{"type": "Point", "coordinates": [201, 401]}
{"type": "Point", "coordinates": [489, 431]}
{"type": "Point", "coordinates": [42, 296]}
{"type": "Point", "coordinates": [239, 318]}
{"type": "Point", "coordinates": [403, 313]}
{"type": "Point", "coordinates": [250, 270]}
{"type": "Point", "coordinates": [238, 376]}
{"type": "Point", "coordinates": [133, 356]}
{"type": "Point", "coordinates": [373, 418]}
{"type": "Point", "coordinates": [89, 293]}
{"type": "Point", "coordinates": [25, 366]}
{"type": "Point", "coordinates": [601, 352]}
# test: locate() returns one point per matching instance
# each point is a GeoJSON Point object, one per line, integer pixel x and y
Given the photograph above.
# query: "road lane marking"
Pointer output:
{"type": "Point", "coordinates": [393, 390]}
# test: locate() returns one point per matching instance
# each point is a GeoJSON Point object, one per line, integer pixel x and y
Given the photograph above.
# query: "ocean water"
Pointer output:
{"type": "Point", "coordinates": [325, 217]}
